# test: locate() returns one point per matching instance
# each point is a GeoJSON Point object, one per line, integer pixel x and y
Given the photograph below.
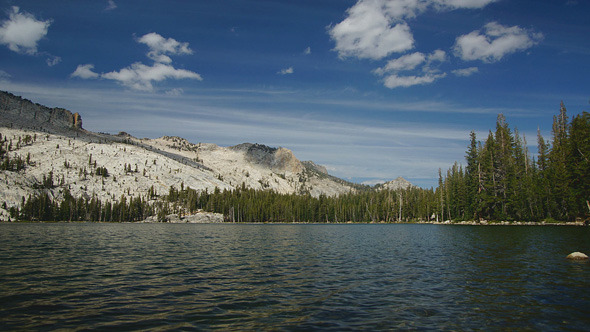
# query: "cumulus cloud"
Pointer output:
{"type": "Point", "coordinates": [52, 60]}
{"type": "Point", "coordinates": [466, 71]}
{"type": "Point", "coordinates": [374, 29]}
{"type": "Point", "coordinates": [85, 72]}
{"type": "Point", "coordinates": [286, 71]}
{"type": "Point", "coordinates": [395, 81]}
{"type": "Point", "coordinates": [111, 5]}
{"type": "Point", "coordinates": [22, 31]}
{"type": "Point", "coordinates": [370, 32]}
{"type": "Point", "coordinates": [412, 62]}
{"type": "Point", "coordinates": [495, 42]}
{"type": "Point", "coordinates": [307, 51]}
{"type": "Point", "coordinates": [406, 62]}
{"type": "Point", "coordinates": [160, 47]}
{"type": "Point", "coordinates": [437, 56]}
{"type": "Point", "coordinates": [140, 77]}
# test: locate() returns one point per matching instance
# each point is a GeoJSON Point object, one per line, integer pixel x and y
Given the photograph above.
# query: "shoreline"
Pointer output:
{"type": "Point", "coordinates": [444, 223]}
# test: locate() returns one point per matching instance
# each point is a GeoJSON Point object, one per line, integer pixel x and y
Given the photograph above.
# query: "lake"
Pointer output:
{"type": "Point", "coordinates": [292, 277]}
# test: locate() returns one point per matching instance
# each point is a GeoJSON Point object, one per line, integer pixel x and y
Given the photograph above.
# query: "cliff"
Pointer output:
{"type": "Point", "coordinates": [17, 112]}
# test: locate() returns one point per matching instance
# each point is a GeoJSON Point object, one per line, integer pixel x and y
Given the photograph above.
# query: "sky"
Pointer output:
{"type": "Point", "coordinates": [371, 89]}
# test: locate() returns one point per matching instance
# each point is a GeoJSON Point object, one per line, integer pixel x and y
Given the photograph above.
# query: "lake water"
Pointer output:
{"type": "Point", "coordinates": [292, 277]}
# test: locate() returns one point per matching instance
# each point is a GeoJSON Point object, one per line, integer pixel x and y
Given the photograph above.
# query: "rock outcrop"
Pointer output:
{"type": "Point", "coordinates": [313, 166]}
{"type": "Point", "coordinates": [22, 113]}
{"type": "Point", "coordinates": [197, 218]}
{"type": "Point", "coordinates": [279, 160]}
{"type": "Point", "coordinates": [577, 256]}
{"type": "Point", "coordinates": [399, 183]}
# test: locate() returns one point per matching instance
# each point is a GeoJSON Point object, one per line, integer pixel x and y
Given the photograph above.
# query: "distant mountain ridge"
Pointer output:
{"type": "Point", "coordinates": [56, 145]}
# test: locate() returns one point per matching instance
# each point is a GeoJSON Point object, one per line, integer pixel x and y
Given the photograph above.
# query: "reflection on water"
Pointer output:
{"type": "Point", "coordinates": [259, 277]}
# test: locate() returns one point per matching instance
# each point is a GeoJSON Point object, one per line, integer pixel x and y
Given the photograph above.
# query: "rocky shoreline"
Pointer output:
{"type": "Point", "coordinates": [197, 218]}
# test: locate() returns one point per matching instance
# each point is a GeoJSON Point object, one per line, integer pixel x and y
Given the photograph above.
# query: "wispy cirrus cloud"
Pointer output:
{"type": "Point", "coordinates": [111, 5]}
{"type": "Point", "coordinates": [4, 76]}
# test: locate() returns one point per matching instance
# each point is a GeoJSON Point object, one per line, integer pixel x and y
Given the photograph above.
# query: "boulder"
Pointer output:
{"type": "Point", "coordinates": [577, 256]}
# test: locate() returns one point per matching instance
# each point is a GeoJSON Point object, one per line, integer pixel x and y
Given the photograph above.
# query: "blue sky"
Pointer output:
{"type": "Point", "coordinates": [372, 89]}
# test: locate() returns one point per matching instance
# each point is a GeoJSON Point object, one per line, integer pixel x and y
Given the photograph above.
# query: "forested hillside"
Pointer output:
{"type": "Point", "coordinates": [500, 181]}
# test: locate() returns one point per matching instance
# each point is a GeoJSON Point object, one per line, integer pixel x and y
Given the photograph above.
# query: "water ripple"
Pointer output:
{"type": "Point", "coordinates": [292, 277]}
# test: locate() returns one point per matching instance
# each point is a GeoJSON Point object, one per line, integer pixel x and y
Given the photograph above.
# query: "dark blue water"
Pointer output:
{"type": "Point", "coordinates": [292, 277]}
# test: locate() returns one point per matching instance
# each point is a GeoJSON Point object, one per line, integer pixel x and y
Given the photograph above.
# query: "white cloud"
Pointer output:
{"type": "Point", "coordinates": [286, 71]}
{"type": "Point", "coordinates": [53, 60]}
{"type": "Point", "coordinates": [175, 92]}
{"type": "Point", "coordinates": [411, 62]}
{"type": "Point", "coordinates": [406, 62]}
{"type": "Point", "coordinates": [307, 51]}
{"type": "Point", "coordinates": [473, 4]}
{"type": "Point", "coordinates": [85, 72]}
{"type": "Point", "coordinates": [395, 81]}
{"type": "Point", "coordinates": [496, 42]}
{"type": "Point", "coordinates": [374, 29]}
{"type": "Point", "coordinates": [140, 77]}
{"type": "Point", "coordinates": [437, 56]}
{"type": "Point", "coordinates": [22, 31]}
{"type": "Point", "coordinates": [160, 46]}
{"type": "Point", "coordinates": [111, 5]}
{"type": "Point", "coordinates": [465, 71]}
{"type": "Point", "coordinates": [369, 32]}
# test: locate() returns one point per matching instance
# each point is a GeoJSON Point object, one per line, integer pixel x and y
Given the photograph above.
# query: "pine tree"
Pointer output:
{"type": "Point", "coordinates": [578, 164]}
{"type": "Point", "coordinates": [472, 177]}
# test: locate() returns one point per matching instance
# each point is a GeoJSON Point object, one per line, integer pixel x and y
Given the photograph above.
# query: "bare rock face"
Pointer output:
{"type": "Point", "coordinates": [399, 183]}
{"type": "Point", "coordinates": [318, 168]}
{"type": "Point", "coordinates": [279, 160]}
{"type": "Point", "coordinates": [23, 113]}
{"type": "Point", "coordinates": [77, 121]}
{"type": "Point", "coordinates": [285, 161]}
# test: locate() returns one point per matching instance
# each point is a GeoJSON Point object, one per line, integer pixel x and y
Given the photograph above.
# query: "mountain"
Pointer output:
{"type": "Point", "coordinates": [397, 184]}
{"type": "Point", "coordinates": [47, 150]}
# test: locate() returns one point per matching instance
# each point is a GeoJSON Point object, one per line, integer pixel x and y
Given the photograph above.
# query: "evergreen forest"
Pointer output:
{"type": "Point", "coordinates": [500, 180]}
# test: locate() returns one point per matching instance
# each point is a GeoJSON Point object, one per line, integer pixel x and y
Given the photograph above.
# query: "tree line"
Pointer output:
{"type": "Point", "coordinates": [500, 181]}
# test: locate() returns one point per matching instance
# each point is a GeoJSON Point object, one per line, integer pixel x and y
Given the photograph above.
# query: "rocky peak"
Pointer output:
{"type": "Point", "coordinates": [279, 160]}
{"type": "Point", "coordinates": [22, 113]}
{"type": "Point", "coordinates": [318, 168]}
{"type": "Point", "coordinates": [399, 183]}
